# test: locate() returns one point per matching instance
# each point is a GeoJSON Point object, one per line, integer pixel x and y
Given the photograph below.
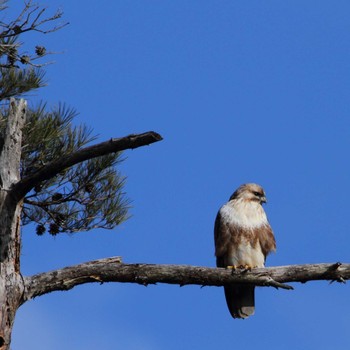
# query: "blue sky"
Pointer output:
{"type": "Point", "coordinates": [242, 91]}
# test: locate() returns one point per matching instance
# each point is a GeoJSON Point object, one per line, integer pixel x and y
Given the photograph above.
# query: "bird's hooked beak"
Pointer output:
{"type": "Point", "coordinates": [263, 200]}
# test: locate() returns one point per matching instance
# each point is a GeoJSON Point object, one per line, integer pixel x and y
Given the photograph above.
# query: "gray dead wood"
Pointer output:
{"type": "Point", "coordinates": [11, 282]}
{"type": "Point", "coordinates": [113, 270]}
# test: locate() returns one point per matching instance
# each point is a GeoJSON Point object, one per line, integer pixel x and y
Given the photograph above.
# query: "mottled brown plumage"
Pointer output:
{"type": "Point", "coordinates": [243, 238]}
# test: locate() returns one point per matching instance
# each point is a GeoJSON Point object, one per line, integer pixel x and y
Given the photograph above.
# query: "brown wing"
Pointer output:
{"type": "Point", "coordinates": [266, 239]}
{"type": "Point", "coordinates": [222, 237]}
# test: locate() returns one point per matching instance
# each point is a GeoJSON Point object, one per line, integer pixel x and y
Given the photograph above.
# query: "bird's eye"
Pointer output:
{"type": "Point", "coordinates": [258, 194]}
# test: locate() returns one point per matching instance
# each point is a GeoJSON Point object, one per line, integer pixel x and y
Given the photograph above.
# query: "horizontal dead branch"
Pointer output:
{"type": "Point", "coordinates": [113, 270]}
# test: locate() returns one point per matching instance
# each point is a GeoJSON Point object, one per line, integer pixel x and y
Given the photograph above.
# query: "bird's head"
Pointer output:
{"type": "Point", "coordinates": [250, 192]}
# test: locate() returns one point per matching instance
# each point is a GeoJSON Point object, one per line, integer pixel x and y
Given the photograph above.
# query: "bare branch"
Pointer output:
{"type": "Point", "coordinates": [21, 25]}
{"type": "Point", "coordinates": [31, 19]}
{"type": "Point", "coordinates": [49, 170]}
{"type": "Point", "coordinates": [113, 270]}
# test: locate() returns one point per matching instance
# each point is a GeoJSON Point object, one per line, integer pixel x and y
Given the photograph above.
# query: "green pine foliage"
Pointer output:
{"type": "Point", "coordinates": [86, 196]}
{"type": "Point", "coordinates": [17, 77]}
{"type": "Point", "coordinates": [15, 82]}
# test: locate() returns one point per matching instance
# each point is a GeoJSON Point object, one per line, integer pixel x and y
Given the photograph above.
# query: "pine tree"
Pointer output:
{"type": "Point", "coordinates": [83, 197]}
{"type": "Point", "coordinates": [50, 172]}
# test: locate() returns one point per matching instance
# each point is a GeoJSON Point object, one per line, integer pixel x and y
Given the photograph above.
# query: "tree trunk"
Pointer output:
{"type": "Point", "coordinates": [12, 191]}
{"type": "Point", "coordinates": [11, 281]}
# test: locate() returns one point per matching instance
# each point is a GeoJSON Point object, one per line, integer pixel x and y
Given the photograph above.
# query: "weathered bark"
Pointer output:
{"type": "Point", "coordinates": [112, 270]}
{"type": "Point", "coordinates": [11, 282]}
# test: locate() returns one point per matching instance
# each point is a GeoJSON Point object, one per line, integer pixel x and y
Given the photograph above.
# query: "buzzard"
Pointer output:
{"type": "Point", "coordinates": [243, 239]}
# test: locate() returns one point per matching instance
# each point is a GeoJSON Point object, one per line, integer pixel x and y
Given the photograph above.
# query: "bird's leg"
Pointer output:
{"type": "Point", "coordinates": [243, 268]}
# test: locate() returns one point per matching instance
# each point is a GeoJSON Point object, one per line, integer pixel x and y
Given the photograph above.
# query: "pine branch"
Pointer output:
{"type": "Point", "coordinates": [113, 270]}
{"type": "Point", "coordinates": [53, 168]}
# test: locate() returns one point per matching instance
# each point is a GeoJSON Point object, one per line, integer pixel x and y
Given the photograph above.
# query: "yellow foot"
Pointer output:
{"type": "Point", "coordinates": [244, 267]}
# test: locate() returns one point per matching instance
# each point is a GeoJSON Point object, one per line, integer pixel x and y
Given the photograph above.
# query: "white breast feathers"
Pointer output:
{"type": "Point", "coordinates": [248, 214]}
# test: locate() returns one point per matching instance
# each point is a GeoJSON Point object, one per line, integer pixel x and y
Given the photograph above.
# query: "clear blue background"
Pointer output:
{"type": "Point", "coordinates": [242, 91]}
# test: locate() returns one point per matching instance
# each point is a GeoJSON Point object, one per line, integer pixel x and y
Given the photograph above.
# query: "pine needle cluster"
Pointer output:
{"type": "Point", "coordinates": [15, 82]}
{"type": "Point", "coordinates": [86, 196]}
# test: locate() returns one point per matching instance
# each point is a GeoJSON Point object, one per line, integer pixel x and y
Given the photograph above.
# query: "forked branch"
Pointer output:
{"type": "Point", "coordinates": [113, 270]}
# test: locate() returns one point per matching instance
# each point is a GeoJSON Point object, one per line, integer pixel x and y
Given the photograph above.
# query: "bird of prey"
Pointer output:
{"type": "Point", "coordinates": [243, 239]}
